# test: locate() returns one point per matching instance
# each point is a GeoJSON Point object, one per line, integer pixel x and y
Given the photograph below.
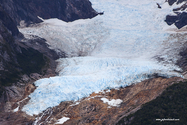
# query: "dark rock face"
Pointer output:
{"type": "Point", "coordinates": [8, 22]}
{"type": "Point", "coordinates": [171, 19]}
{"type": "Point", "coordinates": [171, 2]}
{"type": "Point", "coordinates": [8, 48]}
{"type": "Point", "coordinates": [180, 20]}
{"type": "Point", "coordinates": [15, 60]}
{"type": "Point", "coordinates": [67, 10]}
{"type": "Point", "coordinates": [40, 45]}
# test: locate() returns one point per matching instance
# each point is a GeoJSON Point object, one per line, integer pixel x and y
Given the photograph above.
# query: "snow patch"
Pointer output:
{"type": "Point", "coordinates": [62, 120]}
{"type": "Point", "coordinates": [93, 97]}
{"type": "Point", "coordinates": [75, 104]}
{"type": "Point", "coordinates": [108, 90]}
{"type": "Point", "coordinates": [16, 109]}
{"type": "Point", "coordinates": [113, 102]}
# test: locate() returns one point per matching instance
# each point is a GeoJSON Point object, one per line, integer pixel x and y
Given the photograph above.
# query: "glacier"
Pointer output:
{"type": "Point", "coordinates": [113, 50]}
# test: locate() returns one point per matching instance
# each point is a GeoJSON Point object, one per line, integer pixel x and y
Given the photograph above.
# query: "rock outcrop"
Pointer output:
{"type": "Point", "coordinates": [8, 22]}
{"type": "Point", "coordinates": [8, 49]}
{"type": "Point", "coordinates": [180, 16]}
{"type": "Point", "coordinates": [171, 2]}
{"type": "Point", "coordinates": [29, 10]}
{"type": "Point", "coordinates": [17, 59]}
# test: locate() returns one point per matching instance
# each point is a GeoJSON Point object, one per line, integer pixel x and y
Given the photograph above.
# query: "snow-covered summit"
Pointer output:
{"type": "Point", "coordinates": [120, 47]}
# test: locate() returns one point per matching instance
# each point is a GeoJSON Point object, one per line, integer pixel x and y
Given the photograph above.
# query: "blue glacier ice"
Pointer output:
{"type": "Point", "coordinates": [84, 75]}
{"type": "Point", "coordinates": [118, 49]}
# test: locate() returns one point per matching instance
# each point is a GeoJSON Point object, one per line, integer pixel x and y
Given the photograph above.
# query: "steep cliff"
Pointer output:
{"type": "Point", "coordinates": [178, 18]}
{"type": "Point", "coordinates": [8, 22]}
{"type": "Point", "coordinates": [16, 59]}
{"type": "Point", "coordinates": [67, 10]}
{"type": "Point", "coordinates": [8, 62]}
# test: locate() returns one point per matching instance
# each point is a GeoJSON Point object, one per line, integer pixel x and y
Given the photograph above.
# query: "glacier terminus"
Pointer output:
{"type": "Point", "coordinates": [129, 43]}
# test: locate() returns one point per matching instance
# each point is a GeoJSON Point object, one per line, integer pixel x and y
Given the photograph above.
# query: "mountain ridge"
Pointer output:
{"type": "Point", "coordinates": [28, 11]}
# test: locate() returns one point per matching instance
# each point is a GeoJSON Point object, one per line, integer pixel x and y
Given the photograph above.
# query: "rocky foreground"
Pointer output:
{"type": "Point", "coordinates": [92, 109]}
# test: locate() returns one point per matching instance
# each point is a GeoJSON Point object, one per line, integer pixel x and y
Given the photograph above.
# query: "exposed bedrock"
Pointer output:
{"type": "Point", "coordinates": [180, 20]}
{"type": "Point", "coordinates": [67, 10]}
{"type": "Point", "coordinates": [171, 2]}
{"type": "Point", "coordinates": [20, 57]}
{"type": "Point", "coordinates": [179, 17]}
{"type": "Point", "coordinates": [8, 22]}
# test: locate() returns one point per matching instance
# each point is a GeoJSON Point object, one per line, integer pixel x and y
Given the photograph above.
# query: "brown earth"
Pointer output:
{"type": "Point", "coordinates": [92, 111]}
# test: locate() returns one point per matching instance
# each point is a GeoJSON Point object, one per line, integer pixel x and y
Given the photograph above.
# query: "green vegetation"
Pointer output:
{"type": "Point", "coordinates": [171, 104]}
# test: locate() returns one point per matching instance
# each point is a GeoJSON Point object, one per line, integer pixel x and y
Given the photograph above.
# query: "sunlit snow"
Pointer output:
{"type": "Point", "coordinates": [16, 109]}
{"type": "Point", "coordinates": [62, 120]}
{"type": "Point", "coordinates": [117, 49]}
{"type": "Point", "coordinates": [113, 102]}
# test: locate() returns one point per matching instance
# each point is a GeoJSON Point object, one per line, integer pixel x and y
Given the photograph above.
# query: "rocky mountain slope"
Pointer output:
{"type": "Point", "coordinates": [98, 108]}
{"type": "Point", "coordinates": [15, 60]}
{"type": "Point", "coordinates": [179, 18]}
{"type": "Point", "coordinates": [16, 55]}
{"type": "Point", "coordinates": [168, 108]}
{"type": "Point", "coordinates": [29, 10]}
{"type": "Point", "coordinates": [9, 65]}
{"type": "Point", "coordinates": [23, 61]}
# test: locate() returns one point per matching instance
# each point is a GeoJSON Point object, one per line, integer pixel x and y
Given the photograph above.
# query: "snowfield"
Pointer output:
{"type": "Point", "coordinates": [113, 102]}
{"type": "Point", "coordinates": [116, 49]}
{"type": "Point", "coordinates": [62, 120]}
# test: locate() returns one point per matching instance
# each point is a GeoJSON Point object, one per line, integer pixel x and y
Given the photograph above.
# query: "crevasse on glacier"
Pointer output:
{"type": "Point", "coordinates": [119, 49]}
